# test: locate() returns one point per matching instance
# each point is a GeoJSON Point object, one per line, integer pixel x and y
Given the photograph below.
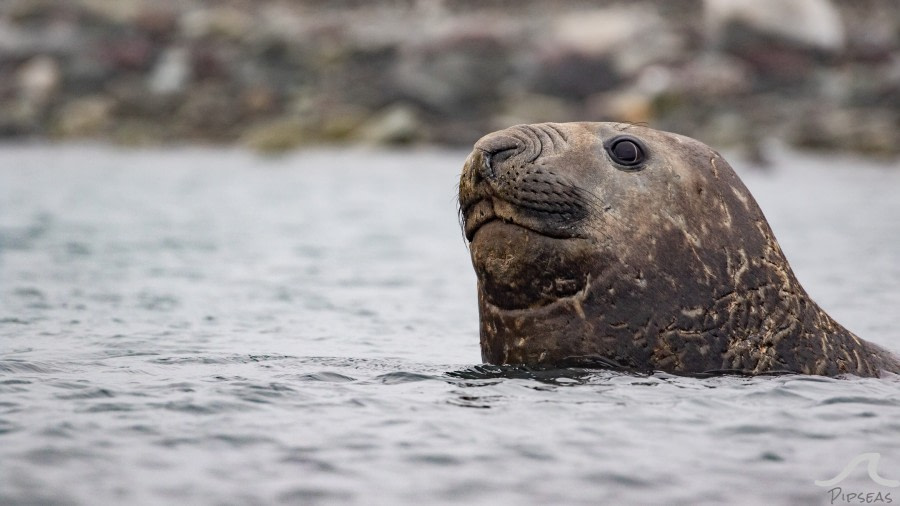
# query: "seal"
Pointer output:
{"type": "Point", "coordinates": [613, 244]}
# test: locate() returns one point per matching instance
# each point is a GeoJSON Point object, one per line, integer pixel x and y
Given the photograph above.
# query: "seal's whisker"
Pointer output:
{"type": "Point", "coordinates": [588, 199]}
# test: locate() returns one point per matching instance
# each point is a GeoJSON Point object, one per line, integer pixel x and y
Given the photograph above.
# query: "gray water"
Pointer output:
{"type": "Point", "coordinates": [203, 326]}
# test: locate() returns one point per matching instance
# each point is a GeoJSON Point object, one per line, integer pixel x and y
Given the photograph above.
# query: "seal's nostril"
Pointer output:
{"type": "Point", "coordinates": [496, 148]}
{"type": "Point", "coordinates": [492, 159]}
{"type": "Point", "coordinates": [498, 157]}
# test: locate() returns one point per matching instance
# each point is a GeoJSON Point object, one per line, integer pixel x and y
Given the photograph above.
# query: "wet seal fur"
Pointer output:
{"type": "Point", "coordinates": [647, 256]}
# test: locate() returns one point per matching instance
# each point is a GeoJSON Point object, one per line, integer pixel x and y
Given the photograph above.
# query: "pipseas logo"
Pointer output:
{"type": "Point", "coordinates": [839, 495]}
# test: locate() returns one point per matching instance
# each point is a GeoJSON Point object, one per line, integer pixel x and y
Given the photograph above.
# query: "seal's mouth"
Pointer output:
{"type": "Point", "coordinates": [477, 215]}
{"type": "Point", "coordinates": [488, 210]}
{"type": "Point", "coordinates": [492, 208]}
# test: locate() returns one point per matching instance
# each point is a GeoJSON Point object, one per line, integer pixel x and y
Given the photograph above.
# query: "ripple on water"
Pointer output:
{"type": "Point", "coordinates": [107, 407]}
{"type": "Point", "coordinates": [14, 386]}
{"type": "Point", "coordinates": [241, 440]}
{"type": "Point", "coordinates": [21, 366]}
{"type": "Point", "coordinates": [788, 433]}
{"type": "Point", "coordinates": [366, 364]}
{"type": "Point", "coordinates": [188, 360]}
{"type": "Point", "coordinates": [475, 401]}
{"type": "Point", "coordinates": [547, 375]}
{"type": "Point", "coordinates": [398, 377]}
{"type": "Point", "coordinates": [87, 393]}
{"type": "Point", "coordinates": [314, 495]}
{"type": "Point", "coordinates": [195, 408]}
{"type": "Point", "coordinates": [306, 458]}
{"type": "Point", "coordinates": [158, 301]}
{"type": "Point", "coordinates": [59, 455]}
{"type": "Point", "coordinates": [325, 376]}
{"type": "Point", "coordinates": [7, 426]}
{"type": "Point", "coordinates": [17, 321]}
{"type": "Point", "coordinates": [63, 430]}
{"type": "Point", "coordinates": [438, 459]}
{"type": "Point", "coordinates": [874, 401]}
{"type": "Point", "coordinates": [261, 393]}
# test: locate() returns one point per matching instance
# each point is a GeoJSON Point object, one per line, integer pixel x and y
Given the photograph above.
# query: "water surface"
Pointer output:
{"type": "Point", "coordinates": [205, 326]}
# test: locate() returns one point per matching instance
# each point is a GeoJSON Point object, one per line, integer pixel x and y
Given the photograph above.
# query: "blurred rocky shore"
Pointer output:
{"type": "Point", "coordinates": [275, 75]}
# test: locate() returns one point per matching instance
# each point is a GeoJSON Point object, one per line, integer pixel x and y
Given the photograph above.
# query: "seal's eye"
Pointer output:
{"type": "Point", "coordinates": [626, 151]}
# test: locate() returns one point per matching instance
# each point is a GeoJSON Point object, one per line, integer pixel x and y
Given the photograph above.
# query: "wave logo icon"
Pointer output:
{"type": "Point", "coordinates": [872, 467]}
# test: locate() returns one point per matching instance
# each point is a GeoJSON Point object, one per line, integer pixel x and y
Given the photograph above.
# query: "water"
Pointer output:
{"type": "Point", "coordinates": [203, 326]}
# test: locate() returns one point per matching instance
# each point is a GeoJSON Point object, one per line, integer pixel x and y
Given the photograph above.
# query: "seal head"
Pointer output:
{"type": "Point", "coordinates": [619, 244]}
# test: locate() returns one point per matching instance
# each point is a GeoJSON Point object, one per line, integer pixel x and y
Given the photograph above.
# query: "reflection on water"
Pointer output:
{"type": "Point", "coordinates": [205, 326]}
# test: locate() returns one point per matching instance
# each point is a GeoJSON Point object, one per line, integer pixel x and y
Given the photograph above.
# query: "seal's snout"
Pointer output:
{"type": "Point", "coordinates": [484, 175]}
{"type": "Point", "coordinates": [475, 202]}
{"type": "Point", "coordinates": [503, 179]}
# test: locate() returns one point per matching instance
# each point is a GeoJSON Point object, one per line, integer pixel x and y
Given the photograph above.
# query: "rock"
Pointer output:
{"type": "Point", "coordinates": [258, 100]}
{"type": "Point", "coordinates": [727, 128]}
{"type": "Point", "coordinates": [532, 108]}
{"type": "Point", "coordinates": [171, 73]}
{"type": "Point", "coordinates": [871, 30]}
{"type": "Point", "coordinates": [18, 118]}
{"type": "Point", "coordinates": [636, 103]}
{"type": "Point", "coordinates": [83, 117]}
{"type": "Point", "coordinates": [783, 42]}
{"type": "Point", "coordinates": [30, 11]}
{"type": "Point", "coordinates": [653, 80]}
{"type": "Point", "coordinates": [140, 132]}
{"type": "Point", "coordinates": [38, 79]}
{"type": "Point", "coordinates": [456, 75]}
{"type": "Point", "coordinates": [209, 61]}
{"type": "Point", "coordinates": [713, 74]}
{"type": "Point", "coordinates": [224, 22]}
{"type": "Point", "coordinates": [574, 75]}
{"type": "Point", "coordinates": [626, 106]}
{"type": "Point", "coordinates": [870, 131]}
{"type": "Point", "coordinates": [632, 36]}
{"type": "Point", "coordinates": [339, 122]}
{"type": "Point", "coordinates": [208, 111]}
{"type": "Point", "coordinates": [128, 53]}
{"type": "Point", "coordinates": [368, 84]}
{"type": "Point", "coordinates": [57, 40]}
{"type": "Point", "coordinates": [600, 31]}
{"type": "Point", "coordinates": [119, 12]}
{"type": "Point", "coordinates": [276, 136]}
{"type": "Point", "coordinates": [86, 74]}
{"type": "Point", "coordinates": [812, 23]}
{"type": "Point", "coordinates": [397, 124]}
{"type": "Point", "coordinates": [132, 99]}
{"type": "Point", "coordinates": [593, 51]}
{"type": "Point", "coordinates": [157, 20]}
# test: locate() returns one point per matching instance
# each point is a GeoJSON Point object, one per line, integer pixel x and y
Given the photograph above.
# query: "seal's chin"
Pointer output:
{"type": "Point", "coordinates": [518, 268]}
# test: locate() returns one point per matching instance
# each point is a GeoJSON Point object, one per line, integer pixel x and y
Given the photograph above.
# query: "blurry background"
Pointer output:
{"type": "Point", "coordinates": [203, 325]}
{"type": "Point", "coordinates": [274, 74]}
